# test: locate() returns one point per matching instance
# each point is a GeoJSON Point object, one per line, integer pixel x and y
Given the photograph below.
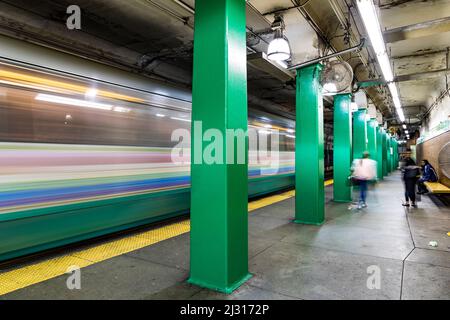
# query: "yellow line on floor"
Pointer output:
{"type": "Point", "coordinates": [26, 276]}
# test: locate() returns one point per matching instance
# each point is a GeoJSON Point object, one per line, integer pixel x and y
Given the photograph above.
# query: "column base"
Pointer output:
{"type": "Point", "coordinates": [343, 201]}
{"type": "Point", "coordinates": [226, 290]}
{"type": "Point", "coordinates": [298, 221]}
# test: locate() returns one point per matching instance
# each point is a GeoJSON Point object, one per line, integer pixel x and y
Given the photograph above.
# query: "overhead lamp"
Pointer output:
{"type": "Point", "coordinates": [159, 115]}
{"type": "Point", "coordinates": [406, 131]}
{"type": "Point", "coordinates": [279, 48]}
{"type": "Point", "coordinates": [369, 17]}
{"type": "Point", "coordinates": [329, 87]}
{"type": "Point", "coordinates": [404, 126]}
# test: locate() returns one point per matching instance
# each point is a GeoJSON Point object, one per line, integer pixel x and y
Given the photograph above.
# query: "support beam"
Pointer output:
{"type": "Point", "coordinates": [372, 125]}
{"type": "Point", "coordinates": [385, 163]}
{"type": "Point", "coordinates": [359, 133]}
{"type": "Point", "coordinates": [342, 148]}
{"type": "Point", "coordinates": [418, 30]}
{"type": "Point", "coordinates": [219, 218]}
{"type": "Point", "coordinates": [389, 153]}
{"type": "Point", "coordinates": [379, 158]}
{"type": "Point", "coordinates": [309, 150]}
{"type": "Point", "coordinates": [407, 77]}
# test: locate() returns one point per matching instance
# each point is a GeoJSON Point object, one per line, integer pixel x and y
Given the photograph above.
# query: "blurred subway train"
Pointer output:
{"type": "Point", "coordinates": [83, 157]}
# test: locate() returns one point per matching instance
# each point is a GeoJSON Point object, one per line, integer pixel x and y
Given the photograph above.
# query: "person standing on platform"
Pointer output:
{"type": "Point", "coordinates": [363, 171]}
{"type": "Point", "coordinates": [410, 175]}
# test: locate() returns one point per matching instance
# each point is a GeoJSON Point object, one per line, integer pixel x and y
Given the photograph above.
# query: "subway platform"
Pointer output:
{"type": "Point", "coordinates": [287, 260]}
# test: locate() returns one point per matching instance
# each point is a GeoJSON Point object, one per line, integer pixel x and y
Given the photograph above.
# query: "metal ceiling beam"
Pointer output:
{"type": "Point", "coordinates": [259, 61]}
{"type": "Point", "coordinates": [406, 77]}
{"type": "Point", "coordinates": [418, 30]}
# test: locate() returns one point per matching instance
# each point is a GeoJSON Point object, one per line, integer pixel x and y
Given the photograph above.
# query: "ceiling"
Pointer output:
{"type": "Point", "coordinates": [155, 38]}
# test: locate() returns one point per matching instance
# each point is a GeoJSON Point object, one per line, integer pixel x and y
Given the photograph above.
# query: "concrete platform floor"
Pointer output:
{"type": "Point", "coordinates": [290, 261]}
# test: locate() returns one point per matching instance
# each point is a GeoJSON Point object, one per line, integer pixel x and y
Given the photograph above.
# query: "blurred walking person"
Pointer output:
{"type": "Point", "coordinates": [410, 175]}
{"type": "Point", "coordinates": [364, 170]}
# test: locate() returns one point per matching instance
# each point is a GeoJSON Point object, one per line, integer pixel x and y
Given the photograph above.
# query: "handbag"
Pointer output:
{"type": "Point", "coordinates": [355, 181]}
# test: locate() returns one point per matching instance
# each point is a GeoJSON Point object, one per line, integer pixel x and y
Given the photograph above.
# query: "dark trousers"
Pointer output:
{"type": "Point", "coordinates": [362, 191]}
{"type": "Point", "coordinates": [421, 186]}
{"type": "Point", "coordinates": [410, 189]}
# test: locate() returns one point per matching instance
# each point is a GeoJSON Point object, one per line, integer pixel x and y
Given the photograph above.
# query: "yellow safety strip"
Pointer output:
{"type": "Point", "coordinates": [26, 276]}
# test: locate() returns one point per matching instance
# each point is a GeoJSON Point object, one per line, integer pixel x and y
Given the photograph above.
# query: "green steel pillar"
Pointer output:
{"type": "Point", "coordinates": [342, 147]}
{"type": "Point", "coordinates": [385, 167]}
{"type": "Point", "coordinates": [372, 138]}
{"type": "Point", "coordinates": [219, 217]}
{"type": "Point", "coordinates": [379, 158]}
{"type": "Point", "coordinates": [359, 133]}
{"type": "Point", "coordinates": [309, 150]}
{"type": "Point", "coordinates": [389, 153]}
{"type": "Point", "coordinates": [396, 155]}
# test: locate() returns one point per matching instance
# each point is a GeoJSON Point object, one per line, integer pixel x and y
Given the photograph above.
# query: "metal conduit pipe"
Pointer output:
{"type": "Point", "coordinates": [310, 62]}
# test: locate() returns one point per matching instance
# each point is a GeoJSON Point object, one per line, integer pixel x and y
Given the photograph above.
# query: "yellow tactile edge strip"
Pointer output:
{"type": "Point", "coordinates": [26, 276]}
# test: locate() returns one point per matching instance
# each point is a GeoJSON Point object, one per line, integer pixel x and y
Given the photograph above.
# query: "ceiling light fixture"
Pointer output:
{"type": "Point", "coordinates": [369, 17]}
{"type": "Point", "coordinates": [279, 48]}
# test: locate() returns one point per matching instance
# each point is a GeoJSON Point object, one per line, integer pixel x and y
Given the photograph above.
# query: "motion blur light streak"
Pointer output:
{"type": "Point", "coordinates": [30, 81]}
{"type": "Point", "coordinates": [73, 102]}
{"type": "Point", "coordinates": [180, 119]}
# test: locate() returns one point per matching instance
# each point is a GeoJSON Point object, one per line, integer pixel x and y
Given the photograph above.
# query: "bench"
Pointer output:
{"type": "Point", "coordinates": [436, 187]}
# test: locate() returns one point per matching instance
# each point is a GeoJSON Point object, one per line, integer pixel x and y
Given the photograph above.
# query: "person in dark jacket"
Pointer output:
{"type": "Point", "coordinates": [428, 174]}
{"type": "Point", "coordinates": [410, 175]}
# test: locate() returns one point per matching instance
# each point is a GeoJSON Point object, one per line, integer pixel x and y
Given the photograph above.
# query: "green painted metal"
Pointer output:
{"type": "Point", "coordinates": [389, 153]}
{"type": "Point", "coordinates": [342, 148]}
{"type": "Point", "coordinates": [396, 155]}
{"type": "Point", "coordinates": [379, 158]}
{"type": "Point", "coordinates": [372, 126]}
{"type": "Point", "coordinates": [359, 133]}
{"type": "Point", "coordinates": [309, 148]}
{"type": "Point", "coordinates": [30, 231]}
{"type": "Point", "coordinates": [373, 83]}
{"type": "Point", "coordinates": [385, 163]}
{"type": "Point", "coordinates": [219, 221]}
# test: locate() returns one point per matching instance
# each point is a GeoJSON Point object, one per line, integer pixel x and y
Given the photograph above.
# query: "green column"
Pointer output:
{"type": "Point", "coordinates": [372, 138]}
{"type": "Point", "coordinates": [395, 154]}
{"type": "Point", "coordinates": [219, 218]}
{"type": "Point", "coordinates": [342, 148]}
{"type": "Point", "coordinates": [385, 167]}
{"type": "Point", "coordinates": [389, 154]}
{"type": "Point", "coordinates": [359, 133]}
{"type": "Point", "coordinates": [379, 158]}
{"type": "Point", "coordinates": [309, 150]}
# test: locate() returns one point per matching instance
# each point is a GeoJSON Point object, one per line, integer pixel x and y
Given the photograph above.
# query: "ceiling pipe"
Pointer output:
{"type": "Point", "coordinates": [336, 54]}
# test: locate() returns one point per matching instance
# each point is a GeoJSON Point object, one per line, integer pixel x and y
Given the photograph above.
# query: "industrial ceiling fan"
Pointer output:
{"type": "Point", "coordinates": [337, 77]}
